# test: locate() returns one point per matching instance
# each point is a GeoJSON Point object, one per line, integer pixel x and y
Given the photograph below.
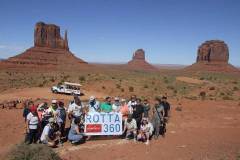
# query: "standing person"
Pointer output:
{"type": "Point", "coordinates": [74, 135]}
{"type": "Point", "coordinates": [107, 105]}
{"type": "Point", "coordinates": [75, 109]}
{"type": "Point", "coordinates": [146, 108]}
{"type": "Point", "coordinates": [53, 108]}
{"type": "Point", "coordinates": [130, 128]}
{"type": "Point", "coordinates": [124, 109]}
{"type": "Point", "coordinates": [132, 103]}
{"type": "Point", "coordinates": [166, 107]}
{"type": "Point", "coordinates": [138, 112]}
{"type": "Point", "coordinates": [26, 109]}
{"type": "Point", "coordinates": [93, 105]}
{"type": "Point", "coordinates": [158, 114]}
{"type": "Point", "coordinates": [116, 105]}
{"type": "Point", "coordinates": [145, 131]}
{"type": "Point", "coordinates": [61, 117]}
{"type": "Point", "coordinates": [32, 125]}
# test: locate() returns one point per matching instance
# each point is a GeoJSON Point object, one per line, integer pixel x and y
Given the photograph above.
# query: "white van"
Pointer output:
{"type": "Point", "coordinates": [67, 88]}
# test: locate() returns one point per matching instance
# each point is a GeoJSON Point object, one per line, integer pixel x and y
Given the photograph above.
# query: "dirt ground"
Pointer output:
{"type": "Point", "coordinates": [203, 130]}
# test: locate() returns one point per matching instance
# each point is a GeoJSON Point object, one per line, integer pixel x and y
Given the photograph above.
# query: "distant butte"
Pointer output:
{"type": "Point", "coordinates": [213, 55]}
{"type": "Point", "coordinates": [138, 61]}
{"type": "Point", "coordinates": [49, 50]}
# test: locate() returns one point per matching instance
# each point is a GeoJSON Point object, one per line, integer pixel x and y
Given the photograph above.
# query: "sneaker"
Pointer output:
{"type": "Point", "coordinates": [147, 142]}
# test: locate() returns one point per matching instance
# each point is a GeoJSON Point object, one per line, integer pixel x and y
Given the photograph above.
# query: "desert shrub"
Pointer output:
{"type": "Point", "coordinates": [81, 78]}
{"type": "Point", "coordinates": [32, 152]}
{"type": "Point", "coordinates": [178, 108]}
{"type": "Point", "coordinates": [122, 89]}
{"type": "Point", "coordinates": [52, 79]}
{"type": "Point", "coordinates": [103, 87]}
{"type": "Point", "coordinates": [212, 88]}
{"type": "Point", "coordinates": [222, 94]}
{"type": "Point", "coordinates": [131, 89]}
{"type": "Point", "coordinates": [145, 86]}
{"type": "Point", "coordinates": [155, 89]}
{"type": "Point", "coordinates": [175, 91]}
{"type": "Point", "coordinates": [113, 78]}
{"type": "Point", "coordinates": [202, 94]}
{"type": "Point", "coordinates": [234, 82]}
{"type": "Point", "coordinates": [201, 78]}
{"type": "Point", "coordinates": [170, 87]}
{"type": "Point", "coordinates": [65, 77]}
{"type": "Point", "coordinates": [235, 88]}
{"type": "Point", "coordinates": [191, 97]}
{"type": "Point", "coordinates": [153, 82]}
{"type": "Point", "coordinates": [227, 98]}
{"type": "Point", "coordinates": [118, 86]}
{"type": "Point", "coordinates": [41, 85]}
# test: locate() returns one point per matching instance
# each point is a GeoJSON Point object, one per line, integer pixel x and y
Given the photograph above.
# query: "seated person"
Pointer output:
{"type": "Point", "coordinates": [130, 127]}
{"type": "Point", "coordinates": [74, 135]}
{"type": "Point", "coordinates": [50, 134]}
{"type": "Point", "coordinates": [145, 131]}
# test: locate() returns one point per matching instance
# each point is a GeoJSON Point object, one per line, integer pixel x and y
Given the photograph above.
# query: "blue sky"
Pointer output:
{"type": "Point", "coordinates": [170, 31]}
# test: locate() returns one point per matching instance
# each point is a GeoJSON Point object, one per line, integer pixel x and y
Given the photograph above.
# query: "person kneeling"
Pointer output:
{"type": "Point", "coordinates": [50, 134]}
{"type": "Point", "coordinates": [74, 135]}
{"type": "Point", "coordinates": [145, 132]}
{"type": "Point", "coordinates": [130, 127]}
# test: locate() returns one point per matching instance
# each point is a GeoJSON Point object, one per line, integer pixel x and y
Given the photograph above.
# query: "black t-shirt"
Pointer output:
{"type": "Point", "coordinates": [166, 107]}
{"type": "Point", "coordinates": [137, 111]}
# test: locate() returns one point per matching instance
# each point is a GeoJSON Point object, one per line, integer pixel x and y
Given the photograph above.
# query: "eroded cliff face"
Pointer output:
{"type": "Point", "coordinates": [138, 61]}
{"type": "Point", "coordinates": [213, 51]}
{"type": "Point", "coordinates": [49, 49]}
{"type": "Point", "coordinates": [212, 56]}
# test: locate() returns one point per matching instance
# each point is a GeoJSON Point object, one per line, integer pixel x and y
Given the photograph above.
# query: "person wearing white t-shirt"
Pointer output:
{"type": "Point", "coordinates": [132, 103]}
{"type": "Point", "coordinates": [75, 109]}
{"type": "Point", "coordinates": [45, 137]}
{"type": "Point", "coordinates": [32, 126]}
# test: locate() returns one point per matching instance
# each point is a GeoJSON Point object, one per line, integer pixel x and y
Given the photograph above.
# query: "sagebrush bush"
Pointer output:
{"type": "Point", "coordinates": [32, 152]}
{"type": "Point", "coordinates": [131, 89]}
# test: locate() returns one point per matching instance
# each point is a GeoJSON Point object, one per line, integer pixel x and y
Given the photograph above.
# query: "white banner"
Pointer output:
{"type": "Point", "coordinates": [103, 123]}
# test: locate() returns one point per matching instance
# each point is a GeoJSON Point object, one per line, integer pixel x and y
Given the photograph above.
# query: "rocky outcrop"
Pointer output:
{"type": "Point", "coordinates": [212, 56]}
{"type": "Point", "coordinates": [50, 50]}
{"type": "Point", "coordinates": [138, 61]}
{"type": "Point", "coordinates": [48, 35]}
{"type": "Point", "coordinates": [213, 51]}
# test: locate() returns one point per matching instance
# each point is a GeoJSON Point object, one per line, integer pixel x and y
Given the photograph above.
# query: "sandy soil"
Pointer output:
{"type": "Point", "coordinates": [202, 130]}
{"type": "Point", "coordinates": [191, 80]}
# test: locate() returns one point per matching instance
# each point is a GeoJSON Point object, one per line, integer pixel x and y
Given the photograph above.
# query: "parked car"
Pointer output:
{"type": "Point", "coordinates": [67, 88]}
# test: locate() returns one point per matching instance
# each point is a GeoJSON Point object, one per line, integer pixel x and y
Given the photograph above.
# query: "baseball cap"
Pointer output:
{"type": "Point", "coordinates": [116, 99]}
{"type": "Point", "coordinates": [54, 101]}
{"type": "Point", "coordinates": [92, 98]}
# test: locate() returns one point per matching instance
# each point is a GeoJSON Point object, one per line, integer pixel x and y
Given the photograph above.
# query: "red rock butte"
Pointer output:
{"type": "Point", "coordinates": [49, 50]}
{"type": "Point", "coordinates": [138, 61]}
{"type": "Point", "coordinates": [213, 55]}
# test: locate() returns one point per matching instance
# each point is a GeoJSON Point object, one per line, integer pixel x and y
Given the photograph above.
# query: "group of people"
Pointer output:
{"type": "Point", "coordinates": [46, 123]}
